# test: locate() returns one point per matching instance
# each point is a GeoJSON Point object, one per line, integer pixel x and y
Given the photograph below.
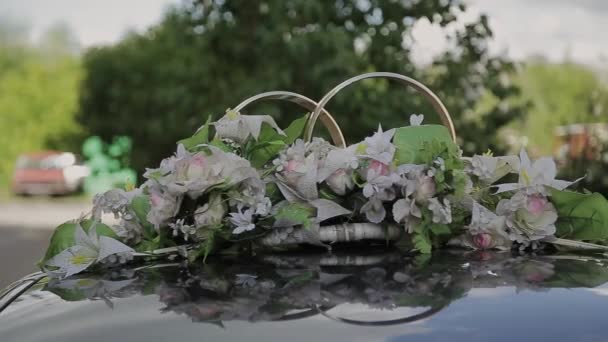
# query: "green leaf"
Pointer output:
{"type": "Point", "coordinates": [200, 137]}
{"type": "Point", "coordinates": [147, 245]}
{"type": "Point", "coordinates": [439, 229]}
{"type": "Point", "coordinates": [217, 142]}
{"type": "Point", "coordinates": [422, 242]}
{"type": "Point", "coordinates": [581, 216]}
{"type": "Point", "coordinates": [296, 214]}
{"type": "Point", "coordinates": [141, 207]}
{"type": "Point", "coordinates": [409, 141]}
{"type": "Point", "coordinates": [63, 237]}
{"type": "Point", "coordinates": [270, 142]}
{"type": "Point", "coordinates": [295, 130]}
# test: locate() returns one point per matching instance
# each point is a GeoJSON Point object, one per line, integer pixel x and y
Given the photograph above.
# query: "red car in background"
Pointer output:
{"type": "Point", "coordinates": [48, 173]}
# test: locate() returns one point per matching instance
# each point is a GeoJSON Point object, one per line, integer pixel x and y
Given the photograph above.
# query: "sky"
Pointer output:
{"type": "Point", "coordinates": [554, 28]}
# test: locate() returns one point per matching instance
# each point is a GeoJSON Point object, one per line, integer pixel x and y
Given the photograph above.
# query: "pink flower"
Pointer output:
{"type": "Point", "coordinates": [425, 188]}
{"type": "Point", "coordinates": [155, 199]}
{"type": "Point", "coordinates": [483, 241]}
{"type": "Point", "coordinates": [379, 168]}
{"type": "Point", "coordinates": [537, 204]}
{"type": "Point", "coordinates": [292, 165]}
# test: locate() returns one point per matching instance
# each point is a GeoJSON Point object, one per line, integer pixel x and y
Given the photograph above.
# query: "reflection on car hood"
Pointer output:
{"type": "Point", "coordinates": [330, 297]}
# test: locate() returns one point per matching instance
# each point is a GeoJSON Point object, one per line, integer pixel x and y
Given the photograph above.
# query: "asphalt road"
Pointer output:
{"type": "Point", "coordinates": [25, 229]}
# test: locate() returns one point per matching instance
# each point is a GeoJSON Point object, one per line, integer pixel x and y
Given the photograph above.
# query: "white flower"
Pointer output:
{"type": "Point", "coordinates": [425, 188]}
{"type": "Point", "coordinates": [211, 213]}
{"type": "Point", "coordinates": [379, 146]}
{"type": "Point", "coordinates": [129, 231]}
{"type": "Point", "coordinates": [298, 180]}
{"type": "Point", "coordinates": [163, 205]}
{"type": "Point", "coordinates": [251, 193]}
{"type": "Point", "coordinates": [88, 249]}
{"type": "Point", "coordinates": [195, 173]}
{"type": "Point", "coordinates": [487, 230]}
{"type": "Point", "coordinates": [534, 177]}
{"type": "Point", "coordinates": [380, 185]}
{"type": "Point", "coordinates": [416, 120]}
{"type": "Point", "coordinates": [242, 220]}
{"type": "Point", "coordinates": [404, 210]}
{"type": "Point", "coordinates": [374, 210]}
{"type": "Point", "coordinates": [442, 213]}
{"type": "Point", "coordinates": [340, 159]}
{"type": "Point", "coordinates": [180, 226]}
{"type": "Point", "coordinates": [320, 147]}
{"type": "Point", "coordinates": [528, 217]}
{"type": "Point", "coordinates": [341, 181]}
{"type": "Point", "coordinates": [114, 201]}
{"type": "Point", "coordinates": [239, 127]}
{"type": "Point", "coordinates": [490, 169]}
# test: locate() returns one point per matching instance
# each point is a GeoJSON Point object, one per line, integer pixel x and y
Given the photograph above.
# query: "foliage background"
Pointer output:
{"type": "Point", "coordinates": [205, 56]}
{"type": "Point", "coordinates": [38, 93]}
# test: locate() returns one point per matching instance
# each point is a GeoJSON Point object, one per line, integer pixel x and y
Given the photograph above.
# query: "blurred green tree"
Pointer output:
{"type": "Point", "coordinates": [38, 93]}
{"type": "Point", "coordinates": [205, 56]}
{"type": "Point", "coordinates": [559, 94]}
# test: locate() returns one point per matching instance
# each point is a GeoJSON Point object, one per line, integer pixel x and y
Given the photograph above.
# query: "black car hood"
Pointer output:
{"type": "Point", "coordinates": [452, 296]}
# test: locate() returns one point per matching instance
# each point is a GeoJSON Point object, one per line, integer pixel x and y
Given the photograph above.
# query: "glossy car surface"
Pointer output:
{"type": "Point", "coordinates": [48, 173]}
{"type": "Point", "coordinates": [451, 296]}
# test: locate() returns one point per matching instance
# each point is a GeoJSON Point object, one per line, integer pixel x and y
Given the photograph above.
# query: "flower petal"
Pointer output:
{"type": "Point", "coordinates": [109, 246]}
{"type": "Point", "coordinates": [327, 209]}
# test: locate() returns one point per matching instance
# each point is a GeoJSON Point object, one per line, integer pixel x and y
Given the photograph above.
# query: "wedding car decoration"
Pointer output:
{"type": "Point", "coordinates": [243, 183]}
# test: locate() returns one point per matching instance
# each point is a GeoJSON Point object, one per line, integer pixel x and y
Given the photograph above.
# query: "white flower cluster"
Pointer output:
{"type": "Point", "coordinates": [527, 216]}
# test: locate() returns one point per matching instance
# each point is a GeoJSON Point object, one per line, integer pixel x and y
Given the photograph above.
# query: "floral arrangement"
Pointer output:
{"type": "Point", "coordinates": [241, 183]}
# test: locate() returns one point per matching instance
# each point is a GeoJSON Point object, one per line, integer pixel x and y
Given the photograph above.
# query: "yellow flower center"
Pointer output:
{"type": "Point", "coordinates": [361, 148]}
{"type": "Point", "coordinates": [525, 176]}
{"type": "Point", "coordinates": [232, 115]}
{"type": "Point", "coordinates": [79, 259]}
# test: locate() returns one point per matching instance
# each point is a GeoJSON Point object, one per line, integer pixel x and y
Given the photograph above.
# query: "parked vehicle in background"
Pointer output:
{"type": "Point", "coordinates": [48, 173]}
{"type": "Point", "coordinates": [582, 149]}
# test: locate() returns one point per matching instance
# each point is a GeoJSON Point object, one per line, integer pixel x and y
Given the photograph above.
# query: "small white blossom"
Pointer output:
{"type": "Point", "coordinates": [416, 120]}
{"type": "Point", "coordinates": [242, 220]}
{"type": "Point", "coordinates": [442, 212]}
{"type": "Point", "coordinates": [180, 227]}
{"type": "Point", "coordinates": [239, 127]}
{"type": "Point", "coordinates": [374, 210]}
{"type": "Point", "coordinates": [490, 169]}
{"type": "Point", "coordinates": [379, 146]}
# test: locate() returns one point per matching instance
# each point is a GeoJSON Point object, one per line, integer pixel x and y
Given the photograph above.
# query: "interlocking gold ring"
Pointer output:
{"type": "Point", "coordinates": [303, 101]}
{"type": "Point", "coordinates": [446, 119]}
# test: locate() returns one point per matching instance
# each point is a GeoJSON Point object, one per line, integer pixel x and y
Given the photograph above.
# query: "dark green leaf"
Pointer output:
{"type": "Point", "coordinates": [409, 141]}
{"type": "Point", "coordinates": [581, 216]}
{"type": "Point", "coordinates": [200, 137]}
